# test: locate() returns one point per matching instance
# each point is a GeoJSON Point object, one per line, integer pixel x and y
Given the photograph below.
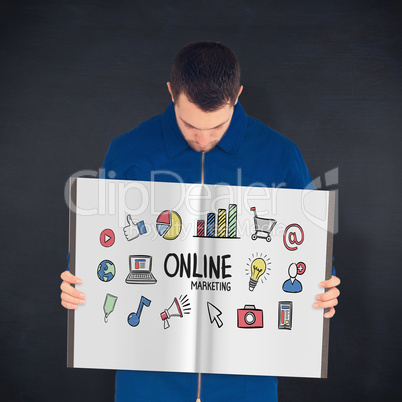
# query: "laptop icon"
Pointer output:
{"type": "Point", "coordinates": [140, 270]}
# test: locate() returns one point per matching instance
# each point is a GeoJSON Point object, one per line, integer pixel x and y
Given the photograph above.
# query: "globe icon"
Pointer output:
{"type": "Point", "coordinates": [106, 271]}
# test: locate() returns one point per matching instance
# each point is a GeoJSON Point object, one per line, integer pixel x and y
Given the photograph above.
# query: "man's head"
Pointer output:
{"type": "Point", "coordinates": [208, 73]}
{"type": "Point", "coordinates": [205, 86]}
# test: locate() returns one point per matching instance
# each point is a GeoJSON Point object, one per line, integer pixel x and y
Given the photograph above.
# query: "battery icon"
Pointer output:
{"type": "Point", "coordinates": [285, 313]}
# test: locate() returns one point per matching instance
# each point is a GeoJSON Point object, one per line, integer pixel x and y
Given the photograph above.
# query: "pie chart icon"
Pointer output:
{"type": "Point", "coordinates": [168, 224]}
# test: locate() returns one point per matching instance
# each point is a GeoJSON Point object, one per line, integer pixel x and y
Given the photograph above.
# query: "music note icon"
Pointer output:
{"type": "Point", "coordinates": [134, 318]}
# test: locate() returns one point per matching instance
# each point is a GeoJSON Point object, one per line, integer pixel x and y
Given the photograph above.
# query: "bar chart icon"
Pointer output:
{"type": "Point", "coordinates": [221, 225]}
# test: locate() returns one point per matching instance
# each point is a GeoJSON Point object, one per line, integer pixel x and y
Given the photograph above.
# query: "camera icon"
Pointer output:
{"type": "Point", "coordinates": [249, 317]}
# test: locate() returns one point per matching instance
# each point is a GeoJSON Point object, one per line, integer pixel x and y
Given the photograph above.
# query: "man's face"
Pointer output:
{"type": "Point", "coordinates": [202, 130]}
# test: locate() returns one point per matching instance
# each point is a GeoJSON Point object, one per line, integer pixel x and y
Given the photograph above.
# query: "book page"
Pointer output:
{"type": "Point", "coordinates": [229, 276]}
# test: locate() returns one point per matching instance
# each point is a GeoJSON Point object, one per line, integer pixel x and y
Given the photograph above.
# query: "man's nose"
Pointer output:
{"type": "Point", "coordinates": [203, 138]}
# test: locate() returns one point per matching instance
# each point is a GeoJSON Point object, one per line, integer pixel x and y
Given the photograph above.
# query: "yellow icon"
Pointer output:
{"type": "Point", "coordinates": [168, 224]}
{"type": "Point", "coordinates": [175, 227]}
{"type": "Point", "coordinates": [258, 268]}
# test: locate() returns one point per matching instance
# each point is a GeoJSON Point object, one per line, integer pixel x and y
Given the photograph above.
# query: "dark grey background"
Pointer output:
{"type": "Point", "coordinates": [74, 74]}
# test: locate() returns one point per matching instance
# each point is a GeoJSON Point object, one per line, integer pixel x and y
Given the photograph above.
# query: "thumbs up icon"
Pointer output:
{"type": "Point", "coordinates": [134, 229]}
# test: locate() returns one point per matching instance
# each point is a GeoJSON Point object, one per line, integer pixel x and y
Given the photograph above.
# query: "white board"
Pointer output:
{"type": "Point", "coordinates": [202, 244]}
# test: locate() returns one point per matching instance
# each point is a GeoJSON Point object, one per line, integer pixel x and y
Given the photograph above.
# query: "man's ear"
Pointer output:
{"type": "Point", "coordinates": [240, 91]}
{"type": "Point", "coordinates": [170, 90]}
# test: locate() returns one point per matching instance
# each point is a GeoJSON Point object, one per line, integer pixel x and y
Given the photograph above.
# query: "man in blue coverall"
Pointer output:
{"type": "Point", "coordinates": [203, 136]}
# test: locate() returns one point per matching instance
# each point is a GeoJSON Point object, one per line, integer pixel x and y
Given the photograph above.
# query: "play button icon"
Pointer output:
{"type": "Point", "coordinates": [107, 238]}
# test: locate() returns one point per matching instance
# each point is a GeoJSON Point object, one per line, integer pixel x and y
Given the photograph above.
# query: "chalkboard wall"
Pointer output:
{"type": "Point", "coordinates": [76, 73]}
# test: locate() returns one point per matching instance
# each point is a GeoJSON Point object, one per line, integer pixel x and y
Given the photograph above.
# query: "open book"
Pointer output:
{"type": "Point", "coordinates": [199, 278]}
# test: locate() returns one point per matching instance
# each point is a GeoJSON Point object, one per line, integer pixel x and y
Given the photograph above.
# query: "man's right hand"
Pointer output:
{"type": "Point", "coordinates": [70, 297]}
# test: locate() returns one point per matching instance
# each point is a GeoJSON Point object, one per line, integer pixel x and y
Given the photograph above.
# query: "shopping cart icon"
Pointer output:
{"type": "Point", "coordinates": [262, 226]}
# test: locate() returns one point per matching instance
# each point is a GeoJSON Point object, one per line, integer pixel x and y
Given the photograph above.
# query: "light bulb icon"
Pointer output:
{"type": "Point", "coordinates": [258, 267]}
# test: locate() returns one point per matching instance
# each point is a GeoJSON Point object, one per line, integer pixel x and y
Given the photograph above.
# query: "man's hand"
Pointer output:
{"type": "Point", "coordinates": [70, 297]}
{"type": "Point", "coordinates": [330, 297]}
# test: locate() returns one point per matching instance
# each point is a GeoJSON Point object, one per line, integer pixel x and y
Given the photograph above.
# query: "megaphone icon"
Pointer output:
{"type": "Point", "coordinates": [177, 309]}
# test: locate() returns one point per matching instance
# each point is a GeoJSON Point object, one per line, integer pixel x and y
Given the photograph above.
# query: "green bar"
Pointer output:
{"type": "Point", "coordinates": [232, 220]}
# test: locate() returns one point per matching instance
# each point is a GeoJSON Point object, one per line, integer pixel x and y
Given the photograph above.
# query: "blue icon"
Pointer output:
{"type": "Point", "coordinates": [106, 271]}
{"type": "Point", "coordinates": [134, 318]}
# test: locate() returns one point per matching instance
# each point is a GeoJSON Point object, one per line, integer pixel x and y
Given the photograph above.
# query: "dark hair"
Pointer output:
{"type": "Point", "coordinates": [208, 73]}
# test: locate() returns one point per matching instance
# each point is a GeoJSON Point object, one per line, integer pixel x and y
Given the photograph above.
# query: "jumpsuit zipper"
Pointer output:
{"type": "Point", "coordinates": [199, 374]}
{"type": "Point", "coordinates": [199, 388]}
{"type": "Point", "coordinates": [202, 167]}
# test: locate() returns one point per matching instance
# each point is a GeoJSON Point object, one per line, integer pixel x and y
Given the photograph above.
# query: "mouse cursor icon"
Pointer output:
{"type": "Point", "coordinates": [214, 314]}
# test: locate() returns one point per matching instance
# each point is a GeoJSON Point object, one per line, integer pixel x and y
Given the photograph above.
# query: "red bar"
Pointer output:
{"type": "Point", "coordinates": [200, 228]}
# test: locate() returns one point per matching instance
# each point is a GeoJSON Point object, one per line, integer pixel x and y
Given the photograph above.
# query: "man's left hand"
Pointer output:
{"type": "Point", "coordinates": [329, 299]}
